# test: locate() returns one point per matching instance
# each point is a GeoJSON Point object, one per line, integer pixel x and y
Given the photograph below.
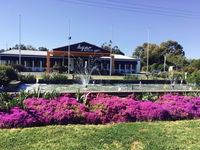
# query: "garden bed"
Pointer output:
{"type": "Point", "coordinates": [95, 109]}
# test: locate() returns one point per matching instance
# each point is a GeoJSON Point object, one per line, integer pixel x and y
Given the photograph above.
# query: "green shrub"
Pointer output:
{"type": "Point", "coordinates": [131, 77]}
{"type": "Point", "coordinates": [60, 69]}
{"type": "Point", "coordinates": [50, 95]}
{"type": "Point", "coordinates": [175, 75]}
{"type": "Point", "coordinates": [46, 76]}
{"type": "Point", "coordinates": [7, 101]}
{"type": "Point", "coordinates": [163, 75]}
{"type": "Point", "coordinates": [7, 73]}
{"type": "Point", "coordinates": [149, 97]}
{"type": "Point", "coordinates": [60, 77]}
{"type": "Point", "coordinates": [194, 77]}
{"type": "Point", "coordinates": [4, 80]}
{"type": "Point", "coordinates": [18, 67]}
{"type": "Point", "coordinates": [81, 97]}
{"type": "Point", "coordinates": [27, 78]}
{"type": "Point", "coordinates": [10, 72]}
{"type": "Point", "coordinates": [56, 67]}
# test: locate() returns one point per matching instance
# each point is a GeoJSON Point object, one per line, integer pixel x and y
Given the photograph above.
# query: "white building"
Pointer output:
{"type": "Point", "coordinates": [37, 60]}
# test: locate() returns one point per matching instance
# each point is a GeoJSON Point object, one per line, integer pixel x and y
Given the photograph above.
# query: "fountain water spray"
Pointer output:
{"type": "Point", "coordinates": [85, 68]}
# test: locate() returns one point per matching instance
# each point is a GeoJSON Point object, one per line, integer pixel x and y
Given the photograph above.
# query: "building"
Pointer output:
{"type": "Point", "coordinates": [80, 55]}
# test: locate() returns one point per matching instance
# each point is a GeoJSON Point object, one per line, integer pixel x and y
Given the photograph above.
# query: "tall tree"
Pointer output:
{"type": "Point", "coordinates": [153, 58]}
{"type": "Point", "coordinates": [172, 47]}
{"type": "Point", "coordinates": [171, 50]}
{"type": "Point", "coordinates": [42, 49]}
{"type": "Point", "coordinates": [22, 47]}
{"type": "Point", "coordinates": [114, 49]}
{"type": "Point", "coordinates": [30, 47]}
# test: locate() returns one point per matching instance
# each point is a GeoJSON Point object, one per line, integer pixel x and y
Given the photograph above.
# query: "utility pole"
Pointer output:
{"type": "Point", "coordinates": [148, 52]}
{"type": "Point", "coordinates": [19, 47]}
{"type": "Point", "coordinates": [111, 50]}
{"type": "Point", "coordinates": [110, 58]}
{"type": "Point", "coordinates": [69, 38]}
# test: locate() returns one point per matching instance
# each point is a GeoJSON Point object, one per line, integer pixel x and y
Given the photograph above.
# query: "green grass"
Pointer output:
{"type": "Point", "coordinates": [177, 135]}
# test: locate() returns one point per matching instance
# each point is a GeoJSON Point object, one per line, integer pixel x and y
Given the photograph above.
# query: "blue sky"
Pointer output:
{"type": "Point", "coordinates": [126, 22]}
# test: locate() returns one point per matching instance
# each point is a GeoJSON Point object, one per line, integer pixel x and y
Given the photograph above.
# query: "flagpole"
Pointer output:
{"type": "Point", "coordinates": [19, 47]}
{"type": "Point", "coordinates": [69, 38]}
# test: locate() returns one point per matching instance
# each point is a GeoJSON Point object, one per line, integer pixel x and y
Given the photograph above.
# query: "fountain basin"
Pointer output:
{"type": "Point", "coordinates": [61, 88]}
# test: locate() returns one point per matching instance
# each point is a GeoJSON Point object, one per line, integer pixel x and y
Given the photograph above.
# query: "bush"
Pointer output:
{"type": "Point", "coordinates": [27, 78]}
{"type": "Point", "coordinates": [4, 80]}
{"type": "Point", "coordinates": [55, 78]}
{"type": "Point", "coordinates": [194, 77]}
{"type": "Point", "coordinates": [18, 67]}
{"type": "Point", "coordinates": [160, 75]}
{"type": "Point", "coordinates": [46, 76]}
{"type": "Point", "coordinates": [102, 109]}
{"type": "Point", "coordinates": [7, 73]}
{"type": "Point", "coordinates": [8, 101]}
{"type": "Point", "coordinates": [175, 75]}
{"type": "Point", "coordinates": [131, 77]}
{"type": "Point", "coordinates": [60, 69]}
{"type": "Point", "coordinates": [60, 77]}
{"type": "Point", "coordinates": [56, 67]}
{"type": "Point", "coordinates": [10, 72]}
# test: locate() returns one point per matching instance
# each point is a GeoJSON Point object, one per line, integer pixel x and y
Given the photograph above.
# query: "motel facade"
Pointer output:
{"type": "Point", "coordinates": [75, 57]}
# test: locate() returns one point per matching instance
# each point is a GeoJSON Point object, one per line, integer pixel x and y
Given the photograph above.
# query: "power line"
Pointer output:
{"type": "Point", "coordinates": [131, 9]}
{"type": "Point", "coordinates": [153, 6]}
{"type": "Point", "coordinates": [134, 6]}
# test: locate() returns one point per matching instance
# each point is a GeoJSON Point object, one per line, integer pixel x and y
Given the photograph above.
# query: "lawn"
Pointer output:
{"type": "Point", "coordinates": [159, 135]}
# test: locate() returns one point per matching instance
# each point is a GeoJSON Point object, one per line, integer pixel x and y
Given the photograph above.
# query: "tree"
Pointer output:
{"type": "Point", "coordinates": [171, 50]}
{"type": "Point", "coordinates": [195, 63]}
{"type": "Point", "coordinates": [22, 46]}
{"type": "Point", "coordinates": [194, 77]}
{"type": "Point", "coordinates": [172, 47]}
{"type": "Point", "coordinates": [42, 49]}
{"type": "Point", "coordinates": [153, 57]}
{"type": "Point", "coordinates": [30, 47]}
{"type": "Point", "coordinates": [2, 50]}
{"type": "Point", "coordinates": [114, 50]}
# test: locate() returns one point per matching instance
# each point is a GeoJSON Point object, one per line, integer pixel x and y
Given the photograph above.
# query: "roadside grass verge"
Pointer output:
{"type": "Point", "coordinates": [159, 135]}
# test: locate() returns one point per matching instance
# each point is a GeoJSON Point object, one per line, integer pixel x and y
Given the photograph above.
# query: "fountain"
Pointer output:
{"type": "Point", "coordinates": [140, 84]}
{"type": "Point", "coordinates": [85, 69]}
